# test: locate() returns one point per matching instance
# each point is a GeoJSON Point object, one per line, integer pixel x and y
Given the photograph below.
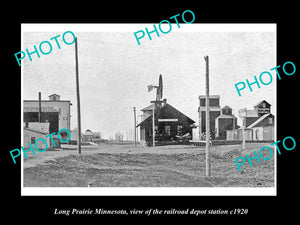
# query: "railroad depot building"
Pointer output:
{"type": "Point", "coordinates": [259, 124]}
{"type": "Point", "coordinates": [170, 124]}
{"type": "Point", "coordinates": [54, 111]}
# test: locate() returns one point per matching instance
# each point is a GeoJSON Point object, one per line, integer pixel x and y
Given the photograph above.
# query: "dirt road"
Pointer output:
{"type": "Point", "coordinates": [126, 166]}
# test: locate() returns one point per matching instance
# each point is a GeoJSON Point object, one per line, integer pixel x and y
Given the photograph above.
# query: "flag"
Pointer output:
{"type": "Point", "coordinates": [150, 87]}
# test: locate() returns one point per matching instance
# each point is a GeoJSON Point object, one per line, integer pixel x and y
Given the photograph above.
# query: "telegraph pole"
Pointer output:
{"type": "Point", "coordinates": [78, 102]}
{"type": "Point", "coordinates": [244, 126]}
{"type": "Point", "coordinates": [134, 115]}
{"type": "Point", "coordinates": [242, 115]}
{"type": "Point", "coordinates": [153, 125]}
{"type": "Point", "coordinates": [207, 172]}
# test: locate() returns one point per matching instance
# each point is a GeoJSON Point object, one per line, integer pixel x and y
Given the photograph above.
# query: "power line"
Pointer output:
{"type": "Point", "coordinates": [128, 45]}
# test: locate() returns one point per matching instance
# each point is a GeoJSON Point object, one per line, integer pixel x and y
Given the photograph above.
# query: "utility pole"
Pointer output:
{"type": "Point", "coordinates": [242, 115]}
{"type": "Point", "coordinates": [137, 133]}
{"type": "Point", "coordinates": [153, 125]}
{"type": "Point", "coordinates": [40, 107]}
{"type": "Point", "coordinates": [78, 102]}
{"type": "Point", "coordinates": [134, 115]}
{"type": "Point", "coordinates": [244, 126]}
{"type": "Point", "coordinates": [207, 172]}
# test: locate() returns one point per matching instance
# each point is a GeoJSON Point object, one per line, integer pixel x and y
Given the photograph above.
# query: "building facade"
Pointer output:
{"type": "Point", "coordinates": [170, 124]}
{"type": "Point", "coordinates": [88, 136]}
{"type": "Point", "coordinates": [53, 110]}
{"type": "Point", "coordinates": [35, 131]}
{"type": "Point", "coordinates": [259, 124]}
{"type": "Point", "coordinates": [214, 112]}
{"type": "Point", "coordinates": [226, 121]}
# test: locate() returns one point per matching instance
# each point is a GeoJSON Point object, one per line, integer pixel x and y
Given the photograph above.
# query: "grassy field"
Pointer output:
{"type": "Point", "coordinates": [164, 166]}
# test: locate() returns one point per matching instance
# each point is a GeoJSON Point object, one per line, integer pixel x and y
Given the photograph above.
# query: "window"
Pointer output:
{"type": "Point", "coordinates": [202, 102]}
{"type": "Point", "coordinates": [156, 129]}
{"type": "Point", "coordinates": [270, 120]}
{"type": "Point", "coordinates": [179, 127]}
{"type": "Point", "coordinates": [168, 130]}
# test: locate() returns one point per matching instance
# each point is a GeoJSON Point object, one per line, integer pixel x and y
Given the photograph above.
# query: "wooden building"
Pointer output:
{"type": "Point", "coordinates": [214, 112]}
{"type": "Point", "coordinates": [34, 131]}
{"type": "Point", "coordinates": [54, 111]}
{"type": "Point", "coordinates": [74, 136]}
{"type": "Point", "coordinates": [226, 121]}
{"type": "Point", "coordinates": [259, 124]}
{"type": "Point", "coordinates": [171, 125]}
{"type": "Point", "coordinates": [88, 136]}
{"type": "Point", "coordinates": [263, 128]}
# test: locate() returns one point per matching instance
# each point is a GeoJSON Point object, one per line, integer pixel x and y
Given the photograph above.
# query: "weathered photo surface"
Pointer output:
{"type": "Point", "coordinates": [125, 149]}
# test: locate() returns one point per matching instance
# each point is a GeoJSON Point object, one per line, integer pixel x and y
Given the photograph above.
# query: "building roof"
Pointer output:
{"type": "Point", "coordinates": [42, 128]}
{"type": "Point", "coordinates": [47, 101]}
{"type": "Point", "coordinates": [211, 108]}
{"type": "Point", "coordinates": [146, 118]}
{"type": "Point", "coordinates": [148, 108]}
{"type": "Point", "coordinates": [164, 106]}
{"type": "Point", "coordinates": [224, 116]}
{"type": "Point", "coordinates": [88, 132]}
{"type": "Point", "coordinates": [210, 96]}
{"type": "Point", "coordinates": [168, 105]}
{"type": "Point", "coordinates": [54, 95]}
{"type": "Point", "coordinates": [258, 120]}
{"type": "Point", "coordinates": [261, 102]}
{"type": "Point", "coordinates": [226, 107]}
{"type": "Point", "coordinates": [37, 131]}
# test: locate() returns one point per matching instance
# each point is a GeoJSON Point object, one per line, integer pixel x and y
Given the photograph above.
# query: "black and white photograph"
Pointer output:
{"type": "Point", "coordinates": [143, 109]}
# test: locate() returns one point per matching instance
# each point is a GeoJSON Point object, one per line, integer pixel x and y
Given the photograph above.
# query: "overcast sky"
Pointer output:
{"type": "Point", "coordinates": [115, 71]}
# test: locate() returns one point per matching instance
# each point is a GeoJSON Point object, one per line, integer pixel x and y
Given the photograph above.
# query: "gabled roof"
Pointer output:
{"type": "Point", "coordinates": [259, 120]}
{"type": "Point", "coordinates": [88, 132]}
{"type": "Point", "coordinates": [54, 95]}
{"type": "Point", "coordinates": [37, 131]}
{"type": "Point", "coordinates": [168, 105]}
{"type": "Point", "coordinates": [148, 108]}
{"type": "Point", "coordinates": [261, 102]}
{"type": "Point", "coordinates": [146, 118]}
{"type": "Point", "coordinates": [210, 96]}
{"type": "Point", "coordinates": [164, 106]}
{"type": "Point", "coordinates": [38, 127]}
{"type": "Point", "coordinates": [226, 107]}
{"type": "Point", "coordinates": [224, 116]}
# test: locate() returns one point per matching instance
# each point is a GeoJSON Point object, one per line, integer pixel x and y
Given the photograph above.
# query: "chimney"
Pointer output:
{"type": "Point", "coordinates": [164, 101]}
{"type": "Point", "coordinates": [54, 97]}
{"type": "Point", "coordinates": [40, 107]}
